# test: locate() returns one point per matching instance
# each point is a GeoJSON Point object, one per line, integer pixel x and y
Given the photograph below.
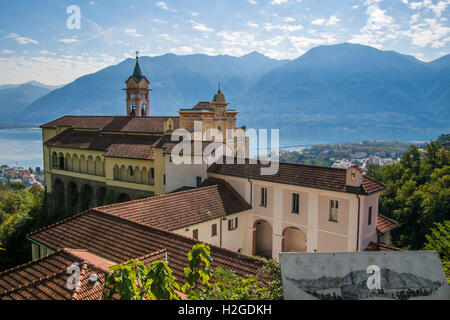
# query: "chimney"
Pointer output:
{"type": "Point", "coordinates": [354, 176]}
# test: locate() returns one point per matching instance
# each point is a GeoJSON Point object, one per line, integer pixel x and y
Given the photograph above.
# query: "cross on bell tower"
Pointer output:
{"type": "Point", "coordinates": [137, 93]}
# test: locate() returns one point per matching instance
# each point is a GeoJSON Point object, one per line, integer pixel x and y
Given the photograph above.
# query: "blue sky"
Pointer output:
{"type": "Point", "coordinates": [35, 43]}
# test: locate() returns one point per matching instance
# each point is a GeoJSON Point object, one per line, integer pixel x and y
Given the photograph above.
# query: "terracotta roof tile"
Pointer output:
{"type": "Point", "coordinates": [381, 247]}
{"type": "Point", "coordinates": [304, 175]}
{"type": "Point", "coordinates": [176, 210]}
{"type": "Point", "coordinates": [126, 146]}
{"type": "Point", "coordinates": [385, 224]}
{"type": "Point", "coordinates": [114, 123]}
{"type": "Point", "coordinates": [46, 278]}
{"type": "Point", "coordinates": [118, 240]}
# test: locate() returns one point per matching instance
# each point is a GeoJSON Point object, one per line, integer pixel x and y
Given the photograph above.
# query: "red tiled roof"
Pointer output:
{"type": "Point", "coordinates": [118, 240]}
{"type": "Point", "coordinates": [385, 224]}
{"type": "Point", "coordinates": [123, 146]}
{"type": "Point", "coordinates": [114, 123]}
{"type": "Point", "coordinates": [46, 278]}
{"type": "Point", "coordinates": [304, 175]}
{"type": "Point", "coordinates": [381, 247]}
{"type": "Point", "coordinates": [176, 210]}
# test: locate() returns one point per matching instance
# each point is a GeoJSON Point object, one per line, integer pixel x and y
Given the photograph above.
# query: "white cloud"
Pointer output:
{"type": "Point", "coordinates": [194, 14]}
{"type": "Point", "coordinates": [274, 2]}
{"type": "Point", "coordinates": [252, 1]}
{"type": "Point", "coordinates": [289, 19]}
{"type": "Point", "coordinates": [439, 7]}
{"type": "Point", "coordinates": [430, 33]}
{"type": "Point", "coordinates": [201, 27]}
{"type": "Point", "coordinates": [168, 37]}
{"type": "Point", "coordinates": [50, 69]}
{"type": "Point", "coordinates": [21, 40]}
{"type": "Point", "coordinates": [68, 40]}
{"type": "Point", "coordinates": [46, 52]}
{"type": "Point", "coordinates": [333, 20]}
{"type": "Point", "coordinates": [159, 20]}
{"type": "Point", "coordinates": [284, 27]}
{"type": "Point", "coordinates": [302, 43]}
{"type": "Point", "coordinates": [252, 24]}
{"type": "Point", "coordinates": [182, 50]}
{"type": "Point", "coordinates": [132, 32]}
{"type": "Point", "coordinates": [162, 5]}
{"type": "Point", "coordinates": [319, 22]}
{"type": "Point", "coordinates": [6, 51]}
{"type": "Point", "coordinates": [414, 18]}
{"type": "Point", "coordinates": [378, 18]}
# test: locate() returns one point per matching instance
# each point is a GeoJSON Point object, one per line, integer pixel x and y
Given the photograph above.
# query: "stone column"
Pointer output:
{"type": "Point", "coordinates": [313, 222]}
{"type": "Point", "coordinates": [277, 221]}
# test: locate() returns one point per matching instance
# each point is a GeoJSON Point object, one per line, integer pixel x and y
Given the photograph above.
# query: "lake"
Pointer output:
{"type": "Point", "coordinates": [21, 147]}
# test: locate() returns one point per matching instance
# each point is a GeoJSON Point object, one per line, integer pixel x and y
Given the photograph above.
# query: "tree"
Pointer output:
{"type": "Point", "coordinates": [19, 213]}
{"type": "Point", "coordinates": [17, 186]}
{"type": "Point", "coordinates": [439, 240]}
{"type": "Point", "coordinates": [134, 281]}
{"type": "Point", "coordinates": [417, 193]}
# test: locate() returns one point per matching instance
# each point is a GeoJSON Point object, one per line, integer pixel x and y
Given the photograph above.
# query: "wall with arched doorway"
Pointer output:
{"type": "Point", "coordinates": [294, 240]}
{"type": "Point", "coordinates": [262, 238]}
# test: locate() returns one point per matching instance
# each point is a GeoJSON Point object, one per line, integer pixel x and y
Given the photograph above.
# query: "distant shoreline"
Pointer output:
{"type": "Point", "coordinates": [16, 126]}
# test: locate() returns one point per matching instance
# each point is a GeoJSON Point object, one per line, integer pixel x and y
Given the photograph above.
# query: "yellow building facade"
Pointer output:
{"type": "Point", "coordinates": [93, 160]}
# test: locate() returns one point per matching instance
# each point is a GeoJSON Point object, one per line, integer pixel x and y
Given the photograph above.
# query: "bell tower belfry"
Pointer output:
{"type": "Point", "coordinates": [137, 93]}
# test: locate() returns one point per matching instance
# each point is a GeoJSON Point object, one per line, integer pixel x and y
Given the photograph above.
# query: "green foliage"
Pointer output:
{"type": "Point", "coordinates": [20, 211]}
{"type": "Point", "coordinates": [325, 154]}
{"type": "Point", "coordinates": [226, 286]}
{"type": "Point", "coordinates": [17, 186]}
{"type": "Point", "coordinates": [135, 281]}
{"type": "Point", "coordinates": [199, 263]}
{"type": "Point", "coordinates": [111, 196]}
{"type": "Point", "coordinates": [418, 192]}
{"type": "Point", "coordinates": [272, 270]}
{"type": "Point", "coordinates": [439, 240]}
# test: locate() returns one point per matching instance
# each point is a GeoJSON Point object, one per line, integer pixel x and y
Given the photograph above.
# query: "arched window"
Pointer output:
{"type": "Point", "coordinates": [54, 160]}
{"type": "Point", "coordinates": [143, 109]}
{"type": "Point", "coordinates": [130, 171]}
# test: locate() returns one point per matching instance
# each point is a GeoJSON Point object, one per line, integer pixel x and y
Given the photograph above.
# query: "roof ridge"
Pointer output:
{"type": "Point", "coordinates": [34, 282]}
{"type": "Point", "coordinates": [154, 253]}
{"type": "Point", "coordinates": [92, 264]}
{"type": "Point", "coordinates": [230, 188]}
{"type": "Point", "coordinates": [166, 195]}
{"type": "Point", "coordinates": [57, 223]}
{"type": "Point", "coordinates": [285, 162]}
{"type": "Point", "coordinates": [2, 273]}
{"type": "Point", "coordinates": [371, 179]}
{"type": "Point", "coordinates": [75, 292]}
{"type": "Point", "coordinates": [387, 218]}
{"type": "Point", "coordinates": [240, 254]}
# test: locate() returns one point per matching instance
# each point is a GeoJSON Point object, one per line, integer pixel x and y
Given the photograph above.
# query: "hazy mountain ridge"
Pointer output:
{"type": "Point", "coordinates": [344, 91]}
{"type": "Point", "coordinates": [14, 99]}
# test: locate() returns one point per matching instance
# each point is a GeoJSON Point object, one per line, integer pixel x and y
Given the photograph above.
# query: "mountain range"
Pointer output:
{"type": "Point", "coordinates": [336, 93]}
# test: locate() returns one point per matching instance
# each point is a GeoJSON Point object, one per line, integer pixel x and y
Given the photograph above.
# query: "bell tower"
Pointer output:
{"type": "Point", "coordinates": [137, 93]}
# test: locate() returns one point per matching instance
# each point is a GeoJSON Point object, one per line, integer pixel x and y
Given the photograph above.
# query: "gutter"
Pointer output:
{"type": "Point", "coordinates": [251, 192]}
{"type": "Point", "coordinates": [357, 230]}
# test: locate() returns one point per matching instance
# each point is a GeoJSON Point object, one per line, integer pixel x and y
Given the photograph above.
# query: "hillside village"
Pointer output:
{"type": "Point", "coordinates": [27, 177]}
{"type": "Point", "coordinates": [164, 208]}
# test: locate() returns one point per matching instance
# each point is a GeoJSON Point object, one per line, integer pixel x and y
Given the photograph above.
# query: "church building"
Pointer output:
{"type": "Point", "coordinates": [97, 164]}
{"type": "Point", "coordinates": [90, 160]}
